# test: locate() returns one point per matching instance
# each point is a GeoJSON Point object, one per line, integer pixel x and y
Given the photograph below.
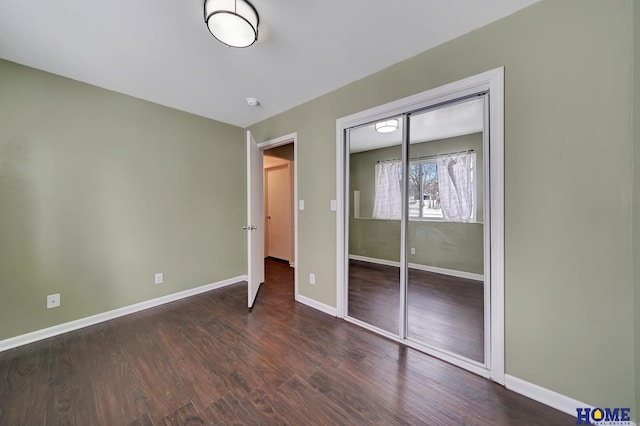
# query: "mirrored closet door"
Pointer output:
{"type": "Point", "coordinates": [416, 234]}
{"type": "Point", "coordinates": [445, 235]}
{"type": "Point", "coordinates": [375, 209]}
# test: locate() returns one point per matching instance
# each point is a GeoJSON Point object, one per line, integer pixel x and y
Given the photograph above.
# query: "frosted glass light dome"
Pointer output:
{"type": "Point", "coordinates": [232, 22]}
{"type": "Point", "coordinates": [387, 126]}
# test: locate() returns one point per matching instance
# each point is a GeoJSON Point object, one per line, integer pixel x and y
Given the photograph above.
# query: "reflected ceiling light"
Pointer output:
{"type": "Point", "coordinates": [387, 126]}
{"type": "Point", "coordinates": [233, 22]}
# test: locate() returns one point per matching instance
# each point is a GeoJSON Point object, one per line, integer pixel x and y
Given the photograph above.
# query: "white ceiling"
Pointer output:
{"type": "Point", "coordinates": [161, 50]}
{"type": "Point", "coordinates": [454, 120]}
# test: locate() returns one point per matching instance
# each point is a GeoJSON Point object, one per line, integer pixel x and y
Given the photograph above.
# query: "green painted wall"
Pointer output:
{"type": "Point", "coordinates": [99, 191]}
{"type": "Point", "coordinates": [636, 197]}
{"type": "Point", "coordinates": [568, 165]}
{"type": "Point", "coordinates": [457, 246]}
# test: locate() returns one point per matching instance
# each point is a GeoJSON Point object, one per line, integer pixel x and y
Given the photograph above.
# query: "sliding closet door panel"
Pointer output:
{"type": "Point", "coordinates": [445, 239]}
{"type": "Point", "coordinates": [375, 209]}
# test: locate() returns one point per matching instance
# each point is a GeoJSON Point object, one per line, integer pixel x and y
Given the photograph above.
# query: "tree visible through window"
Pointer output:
{"type": "Point", "coordinates": [424, 195]}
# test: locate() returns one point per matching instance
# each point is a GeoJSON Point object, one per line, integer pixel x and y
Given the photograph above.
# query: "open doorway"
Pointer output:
{"type": "Point", "coordinates": [279, 155]}
{"type": "Point", "coordinates": [278, 203]}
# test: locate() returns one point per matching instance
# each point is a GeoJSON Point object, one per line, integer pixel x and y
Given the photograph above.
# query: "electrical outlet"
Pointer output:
{"type": "Point", "coordinates": [312, 279]}
{"type": "Point", "coordinates": [53, 300]}
{"type": "Point", "coordinates": [413, 250]}
{"type": "Point", "coordinates": [159, 278]}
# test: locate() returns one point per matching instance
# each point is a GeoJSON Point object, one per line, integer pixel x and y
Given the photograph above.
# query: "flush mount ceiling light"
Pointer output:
{"type": "Point", "coordinates": [387, 126]}
{"type": "Point", "coordinates": [233, 22]}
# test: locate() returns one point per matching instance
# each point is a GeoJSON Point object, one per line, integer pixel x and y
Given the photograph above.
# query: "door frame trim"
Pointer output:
{"type": "Point", "coordinates": [493, 81]}
{"type": "Point", "coordinates": [273, 143]}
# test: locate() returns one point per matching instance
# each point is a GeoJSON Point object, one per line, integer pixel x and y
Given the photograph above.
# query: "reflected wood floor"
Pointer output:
{"type": "Point", "coordinates": [208, 360]}
{"type": "Point", "coordinates": [443, 311]}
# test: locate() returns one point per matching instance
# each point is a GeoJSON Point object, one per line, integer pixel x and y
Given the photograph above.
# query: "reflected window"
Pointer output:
{"type": "Point", "coordinates": [424, 193]}
{"type": "Point", "coordinates": [440, 188]}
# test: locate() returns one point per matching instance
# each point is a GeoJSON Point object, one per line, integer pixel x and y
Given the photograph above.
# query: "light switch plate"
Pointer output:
{"type": "Point", "coordinates": [334, 205]}
{"type": "Point", "coordinates": [301, 204]}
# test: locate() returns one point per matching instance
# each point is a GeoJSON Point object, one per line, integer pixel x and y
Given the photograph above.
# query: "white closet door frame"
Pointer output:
{"type": "Point", "coordinates": [493, 82]}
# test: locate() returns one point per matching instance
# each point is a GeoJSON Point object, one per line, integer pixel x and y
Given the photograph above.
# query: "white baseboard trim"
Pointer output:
{"type": "Point", "coordinates": [45, 333]}
{"type": "Point", "coordinates": [547, 397]}
{"type": "Point", "coordinates": [437, 270]}
{"type": "Point", "coordinates": [543, 395]}
{"type": "Point", "coordinates": [373, 260]}
{"type": "Point", "coordinates": [330, 310]}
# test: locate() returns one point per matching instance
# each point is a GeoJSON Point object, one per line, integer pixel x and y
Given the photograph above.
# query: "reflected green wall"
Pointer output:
{"type": "Point", "coordinates": [449, 245]}
{"type": "Point", "coordinates": [636, 196]}
{"type": "Point", "coordinates": [569, 269]}
{"type": "Point", "coordinates": [99, 191]}
{"type": "Point", "coordinates": [446, 245]}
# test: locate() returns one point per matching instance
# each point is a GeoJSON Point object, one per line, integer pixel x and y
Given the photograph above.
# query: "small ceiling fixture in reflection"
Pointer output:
{"type": "Point", "coordinates": [233, 22]}
{"type": "Point", "coordinates": [387, 126]}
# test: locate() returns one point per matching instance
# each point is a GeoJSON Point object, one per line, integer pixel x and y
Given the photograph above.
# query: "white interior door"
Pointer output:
{"type": "Point", "coordinates": [278, 189]}
{"type": "Point", "coordinates": [255, 215]}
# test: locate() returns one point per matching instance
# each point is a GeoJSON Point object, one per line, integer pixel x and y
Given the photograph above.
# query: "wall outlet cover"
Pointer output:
{"type": "Point", "coordinates": [53, 300]}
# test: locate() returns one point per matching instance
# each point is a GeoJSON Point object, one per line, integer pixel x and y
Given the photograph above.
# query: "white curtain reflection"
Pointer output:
{"type": "Point", "coordinates": [455, 181]}
{"type": "Point", "coordinates": [388, 196]}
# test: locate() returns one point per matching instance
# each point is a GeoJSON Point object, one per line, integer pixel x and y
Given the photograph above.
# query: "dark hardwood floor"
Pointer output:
{"type": "Point", "coordinates": [208, 360]}
{"type": "Point", "coordinates": [374, 294]}
{"type": "Point", "coordinates": [443, 311]}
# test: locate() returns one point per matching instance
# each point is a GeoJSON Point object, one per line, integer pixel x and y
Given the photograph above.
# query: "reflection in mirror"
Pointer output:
{"type": "Point", "coordinates": [445, 293]}
{"type": "Point", "coordinates": [445, 296]}
{"type": "Point", "coordinates": [375, 200]}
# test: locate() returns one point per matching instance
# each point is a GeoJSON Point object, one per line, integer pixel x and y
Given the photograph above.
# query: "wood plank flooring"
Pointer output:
{"type": "Point", "coordinates": [208, 360]}
{"type": "Point", "coordinates": [443, 311]}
